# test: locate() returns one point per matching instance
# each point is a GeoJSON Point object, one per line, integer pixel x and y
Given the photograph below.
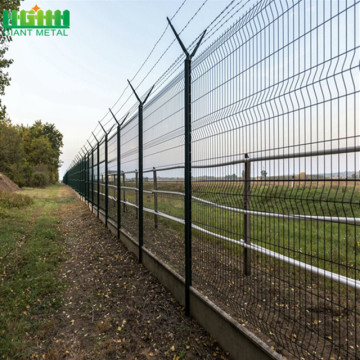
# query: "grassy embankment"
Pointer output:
{"type": "Point", "coordinates": [31, 252]}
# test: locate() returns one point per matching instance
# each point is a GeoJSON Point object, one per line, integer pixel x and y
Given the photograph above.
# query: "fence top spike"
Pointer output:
{"type": "Point", "coordinates": [114, 116]}
{"type": "Point", "coordinates": [102, 127]}
{"type": "Point", "coordinates": [198, 44]}
{"type": "Point", "coordinates": [95, 137]}
{"type": "Point", "coordinates": [147, 96]}
{"type": "Point", "coordinates": [124, 119]}
{"type": "Point", "coordinates": [134, 92]}
{"type": "Point", "coordinates": [110, 130]}
{"type": "Point", "coordinates": [178, 39]}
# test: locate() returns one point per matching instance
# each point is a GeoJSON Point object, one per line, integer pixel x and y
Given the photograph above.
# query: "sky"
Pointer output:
{"type": "Point", "coordinates": [71, 81]}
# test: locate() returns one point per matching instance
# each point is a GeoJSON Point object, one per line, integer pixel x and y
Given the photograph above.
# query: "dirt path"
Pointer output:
{"type": "Point", "coordinates": [113, 307]}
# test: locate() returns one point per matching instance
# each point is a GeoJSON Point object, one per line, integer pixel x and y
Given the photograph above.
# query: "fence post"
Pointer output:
{"type": "Point", "coordinates": [187, 175]}
{"type": "Point", "coordinates": [97, 175]}
{"type": "Point", "coordinates": [137, 193]}
{"type": "Point", "coordinates": [141, 178]}
{"type": "Point", "coordinates": [106, 181]}
{"type": "Point", "coordinates": [106, 174]}
{"type": "Point", "coordinates": [85, 174]}
{"type": "Point", "coordinates": [118, 171]}
{"type": "Point", "coordinates": [118, 179]}
{"type": "Point", "coordinates": [98, 179]}
{"type": "Point", "coordinates": [79, 177]}
{"type": "Point", "coordinates": [91, 196]}
{"type": "Point", "coordinates": [82, 177]}
{"type": "Point", "coordinates": [92, 179]}
{"type": "Point", "coordinates": [155, 198]}
{"type": "Point", "coordinates": [86, 178]}
{"type": "Point", "coordinates": [247, 224]}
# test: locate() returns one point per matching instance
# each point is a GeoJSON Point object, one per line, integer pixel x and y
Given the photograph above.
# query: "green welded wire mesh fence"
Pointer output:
{"type": "Point", "coordinates": [248, 180]}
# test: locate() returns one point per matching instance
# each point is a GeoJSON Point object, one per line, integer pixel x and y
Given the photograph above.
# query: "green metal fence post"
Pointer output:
{"type": "Point", "coordinates": [118, 172]}
{"type": "Point", "coordinates": [141, 178]}
{"type": "Point", "coordinates": [187, 175]}
{"type": "Point", "coordinates": [91, 196]}
{"type": "Point", "coordinates": [106, 174]}
{"type": "Point", "coordinates": [97, 175]}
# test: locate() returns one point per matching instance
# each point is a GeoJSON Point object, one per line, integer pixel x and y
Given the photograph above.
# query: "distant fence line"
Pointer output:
{"type": "Point", "coordinates": [277, 95]}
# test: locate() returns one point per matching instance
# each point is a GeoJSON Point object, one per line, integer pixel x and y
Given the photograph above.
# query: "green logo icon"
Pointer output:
{"type": "Point", "coordinates": [36, 19]}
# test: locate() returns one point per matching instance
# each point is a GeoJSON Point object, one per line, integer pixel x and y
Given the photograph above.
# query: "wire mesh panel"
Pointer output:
{"type": "Point", "coordinates": [275, 165]}
{"type": "Point", "coordinates": [164, 150]}
{"type": "Point", "coordinates": [275, 174]}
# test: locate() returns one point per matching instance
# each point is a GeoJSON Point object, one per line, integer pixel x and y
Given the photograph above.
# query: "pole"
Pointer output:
{"type": "Point", "coordinates": [118, 171]}
{"type": "Point", "coordinates": [118, 180]}
{"type": "Point", "coordinates": [188, 190]}
{"type": "Point", "coordinates": [91, 196]}
{"type": "Point", "coordinates": [98, 179]}
{"type": "Point", "coordinates": [106, 181]}
{"type": "Point", "coordinates": [187, 174]}
{"type": "Point", "coordinates": [140, 160]}
{"type": "Point", "coordinates": [141, 184]}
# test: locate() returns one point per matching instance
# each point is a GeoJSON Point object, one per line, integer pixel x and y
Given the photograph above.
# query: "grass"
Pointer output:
{"type": "Point", "coordinates": [31, 251]}
{"type": "Point", "coordinates": [328, 245]}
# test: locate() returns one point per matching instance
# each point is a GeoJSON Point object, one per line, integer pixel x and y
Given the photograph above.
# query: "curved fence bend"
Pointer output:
{"type": "Point", "coordinates": [275, 175]}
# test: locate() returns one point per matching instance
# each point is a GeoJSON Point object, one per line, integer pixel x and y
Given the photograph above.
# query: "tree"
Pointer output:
{"type": "Point", "coordinates": [42, 144]}
{"type": "Point", "coordinates": [30, 155]}
{"type": "Point", "coordinates": [4, 42]}
{"type": "Point", "coordinates": [12, 154]}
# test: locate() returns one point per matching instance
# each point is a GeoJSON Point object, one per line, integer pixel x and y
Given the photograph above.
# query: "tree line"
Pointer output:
{"type": "Point", "coordinates": [30, 155]}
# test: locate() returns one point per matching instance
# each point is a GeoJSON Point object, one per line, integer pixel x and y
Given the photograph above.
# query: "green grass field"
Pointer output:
{"type": "Point", "coordinates": [328, 245]}
{"type": "Point", "coordinates": [31, 251]}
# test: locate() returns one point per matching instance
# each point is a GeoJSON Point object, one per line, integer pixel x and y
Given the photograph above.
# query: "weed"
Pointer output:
{"type": "Point", "coordinates": [31, 251]}
{"type": "Point", "coordinates": [14, 200]}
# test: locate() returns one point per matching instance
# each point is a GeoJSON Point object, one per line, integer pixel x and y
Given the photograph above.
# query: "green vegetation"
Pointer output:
{"type": "Point", "coordinates": [328, 245]}
{"type": "Point", "coordinates": [14, 200]}
{"type": "Point", "coordinates": [31, 251]}
{"type": "Point", "coordinates": [4, 42]}
{"type": "Point", "coordinates": [30, 155]}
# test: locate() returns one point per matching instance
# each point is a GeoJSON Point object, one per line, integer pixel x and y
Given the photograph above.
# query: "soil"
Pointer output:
{"type": "Point", "coordinates": [7, 185]}
{"type": "Point", "coordinates": [113, 307]}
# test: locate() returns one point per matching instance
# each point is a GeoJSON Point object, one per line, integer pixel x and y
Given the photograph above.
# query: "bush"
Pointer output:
{"type": "Point", "coordinates": [39, 180]}
{"type": "Point", "coordinates": [3, 213]}
{"type": "Point", "coordinates": [12, 200]}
